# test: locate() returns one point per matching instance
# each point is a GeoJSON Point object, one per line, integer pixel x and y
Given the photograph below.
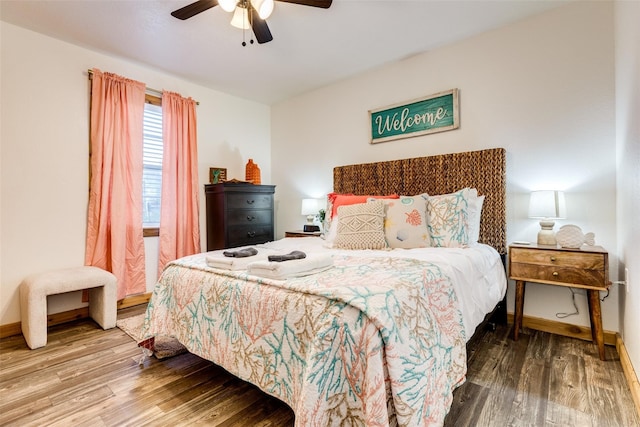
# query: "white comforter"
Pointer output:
{"type": "Point", "coordinates": [477, 272]}
{"type": "Point", "coordinates": [376, 340]}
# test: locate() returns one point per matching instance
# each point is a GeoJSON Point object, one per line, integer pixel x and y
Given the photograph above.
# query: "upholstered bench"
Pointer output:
{"type": "Point", "coordinates": [35, 289]}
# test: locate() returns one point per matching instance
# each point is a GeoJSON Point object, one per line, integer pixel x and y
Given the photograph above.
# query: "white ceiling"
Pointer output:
{"type": "Point", "coordinates": [311, 47]}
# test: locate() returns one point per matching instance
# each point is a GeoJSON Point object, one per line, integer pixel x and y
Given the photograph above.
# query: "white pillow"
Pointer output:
{"type": "Point", "coordinates": [448, 218]}
{"type": "Point", "coordinates": [330, 236]}
{"type": "Point", "coordinates": [475, 214]}
{"type": "Point", "coordinates": [405, 222]}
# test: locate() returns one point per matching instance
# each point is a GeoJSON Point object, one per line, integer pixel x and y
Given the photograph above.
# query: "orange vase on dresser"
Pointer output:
{"type": "Point", "coordinates": [252, 172]}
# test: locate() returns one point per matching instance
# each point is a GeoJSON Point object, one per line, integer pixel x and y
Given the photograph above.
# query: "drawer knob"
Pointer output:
{"type": "Point", "coordinates": [251, 201]}
{"type": "Point", "coordinates": [251, 233]}
{"type": "Point", "coordinates": [555, 274]}
{"type": "Point", "coordinates": [250, 218]}
{"type": "Point", "coordinates": [553, 258]}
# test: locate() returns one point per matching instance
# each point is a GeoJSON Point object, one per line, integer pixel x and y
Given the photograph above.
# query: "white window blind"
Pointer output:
{"type": "Point", "coordinates": [152, 165]}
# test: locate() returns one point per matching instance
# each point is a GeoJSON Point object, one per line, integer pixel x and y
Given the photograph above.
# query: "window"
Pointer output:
{"type": "Point", "coordinates": [152, 165]}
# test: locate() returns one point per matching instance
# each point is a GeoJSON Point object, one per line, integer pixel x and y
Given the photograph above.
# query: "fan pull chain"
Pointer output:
{"type": "Point", "coordinates": [249, 18]}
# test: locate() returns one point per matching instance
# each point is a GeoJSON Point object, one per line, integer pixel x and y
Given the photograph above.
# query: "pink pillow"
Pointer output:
{"type": "Point", "coordinates": [337, 200]}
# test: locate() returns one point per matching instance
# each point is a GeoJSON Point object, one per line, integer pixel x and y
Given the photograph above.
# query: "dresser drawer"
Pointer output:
{"type": "Point", "coordinates": [591, 261]}
{"type": "Point", "coordinates": [249, 235]}
{"type": "Point", "coordinates": [249, 201]}
{"type": "Point", "coordinates": [249, 217]}
{"type": "Point", "coordinates": [558, 274]}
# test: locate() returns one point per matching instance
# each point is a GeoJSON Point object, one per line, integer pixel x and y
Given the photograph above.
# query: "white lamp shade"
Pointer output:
{"type": "Point", "coordinates": [547, 204]}
{"type": "Point", "coordinates": [227, 5]}
{"type": "Point", "coordinates": [241, 18]}
{"type": "Point", "coordinates": [264, 7]}
{"type": "Point", "coordinates": [309, 207]}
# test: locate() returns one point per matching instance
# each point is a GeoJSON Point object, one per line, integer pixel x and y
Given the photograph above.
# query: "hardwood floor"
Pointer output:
{"type": "Point", "coordinates": [89, 377]}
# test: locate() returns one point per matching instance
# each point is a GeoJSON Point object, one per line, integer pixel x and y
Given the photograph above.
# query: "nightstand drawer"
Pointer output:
{"type": "Point", "coordinates": [581, 260]}
{"type": "Point", "coordinates": [559, 274]}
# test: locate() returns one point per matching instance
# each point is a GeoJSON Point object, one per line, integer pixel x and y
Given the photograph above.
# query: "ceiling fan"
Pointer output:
{"type": "Point", "coordinates": [247, 13]}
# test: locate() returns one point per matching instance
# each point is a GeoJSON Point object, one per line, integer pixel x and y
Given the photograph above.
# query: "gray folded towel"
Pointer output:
{"type": "Point", "coordinates": [287, 257]}
{"type": "Point", "coordinates": [241, 253]}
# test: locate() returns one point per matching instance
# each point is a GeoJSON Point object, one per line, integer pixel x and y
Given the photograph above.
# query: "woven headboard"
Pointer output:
{"type": "Point", "coordinates": [442, 174]}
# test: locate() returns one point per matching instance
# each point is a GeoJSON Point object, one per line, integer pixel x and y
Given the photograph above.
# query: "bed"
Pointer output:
{"type": "Point", "coordinates": [376, 337]}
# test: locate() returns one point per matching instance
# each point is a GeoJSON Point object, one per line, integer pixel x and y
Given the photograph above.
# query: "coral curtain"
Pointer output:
{"type": "Point", "coordinates": [179, 226]}
{"type": "Point", "coordinates": [114, 224]}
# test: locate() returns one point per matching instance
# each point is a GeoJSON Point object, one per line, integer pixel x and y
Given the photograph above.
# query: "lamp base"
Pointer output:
{"type": "Point", "coordinates": [546, 236]}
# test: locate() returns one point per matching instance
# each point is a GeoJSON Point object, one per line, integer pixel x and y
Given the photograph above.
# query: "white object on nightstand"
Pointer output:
{"type": "Point", "coordinates": [571, 236]}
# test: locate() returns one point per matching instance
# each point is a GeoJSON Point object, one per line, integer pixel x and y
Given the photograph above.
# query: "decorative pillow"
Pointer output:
{"type": "Point", "coordinates": [475, 213]}
{"type": "Point", "coordinates": [332, 227]}
{"type": "Point", "coordinates": [336, 200]}
{"type": "Point", "coordinates": [405, 223]}
{"type": "Point", "coordinates": [448, 219]}
{"type": "Point", "coordinates": [360, 226]}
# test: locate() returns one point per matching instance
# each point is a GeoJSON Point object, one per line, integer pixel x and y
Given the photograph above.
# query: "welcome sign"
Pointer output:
{"type": "Point", "coordinates": [434, 113]}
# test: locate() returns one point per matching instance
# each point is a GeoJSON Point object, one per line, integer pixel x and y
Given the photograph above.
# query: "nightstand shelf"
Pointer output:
{"type": "Point", "coordinates": [586, 268]}
{"type": "Point", "coordinates": [300, 233]}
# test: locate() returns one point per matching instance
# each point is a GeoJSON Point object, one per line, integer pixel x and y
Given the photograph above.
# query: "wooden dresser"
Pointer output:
{"type": "Point", "coordinates": [586, 268]}
{"type": "Point", "coordinates": [238, 214]}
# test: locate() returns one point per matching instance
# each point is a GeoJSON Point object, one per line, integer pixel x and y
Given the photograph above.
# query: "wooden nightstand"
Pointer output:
{"type": "Point", "coordinates": [586, 268]}
{"type": "Point", "coordinates": [300, 233]}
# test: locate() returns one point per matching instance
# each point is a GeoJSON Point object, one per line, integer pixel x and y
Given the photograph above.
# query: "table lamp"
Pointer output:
{"type": "Point", "coordinates": [547, 205]}
{"type": "Point", "coordinates": [310, 209]}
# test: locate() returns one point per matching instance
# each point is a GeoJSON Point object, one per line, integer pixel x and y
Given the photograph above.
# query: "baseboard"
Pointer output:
{"type": "Point", "coordinates": [134, 300]}
{"type": "Point", "coordinates": [11, 329]}
{"type": "Point", "coordinates": [560, 328]}
{"type": "Point", "coordinates": [629, 372]}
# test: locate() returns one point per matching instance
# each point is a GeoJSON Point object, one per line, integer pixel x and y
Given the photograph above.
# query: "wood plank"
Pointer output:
{"type": "Point", "coordinates": [501, 373]}
{"type": "Point", "coordinates": [87, 376]}
{"type": "Point", "coordinates": [530, 402]}
{"type": "Point", "coordinates": [468, 403]}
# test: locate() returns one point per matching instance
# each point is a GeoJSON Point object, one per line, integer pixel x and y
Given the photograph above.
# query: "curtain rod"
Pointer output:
{"type": "Point", "coordinates": [148, 89]}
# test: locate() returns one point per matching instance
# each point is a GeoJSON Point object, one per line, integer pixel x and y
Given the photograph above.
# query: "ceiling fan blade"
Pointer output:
{"type": "Point", "coordinates": [194, 9]}
{"type": "Point", "coordinates": [260, 27]}
{"type": "Point", "coordinates": [314, 3]}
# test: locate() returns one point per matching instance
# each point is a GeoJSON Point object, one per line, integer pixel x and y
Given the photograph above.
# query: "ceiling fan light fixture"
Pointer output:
{"type": "Point", "coordinates": [264, 7]}
{"type": "Point", "coordinates": [240, 18]}
{"type": "Point", "coordinates": [227, 5]}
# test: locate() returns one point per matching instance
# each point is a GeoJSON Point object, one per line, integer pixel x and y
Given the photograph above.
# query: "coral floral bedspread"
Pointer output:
{"type": "Point", "coordinates": [371, 341]}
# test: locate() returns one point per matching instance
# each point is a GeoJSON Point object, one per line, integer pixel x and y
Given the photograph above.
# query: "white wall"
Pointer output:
{"type": "Point", "coordinates": [628, 141]}
{"type": "Point", "coordinates": [44, 144]}
{"type": "Point", "coordinates": [542, 88]}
